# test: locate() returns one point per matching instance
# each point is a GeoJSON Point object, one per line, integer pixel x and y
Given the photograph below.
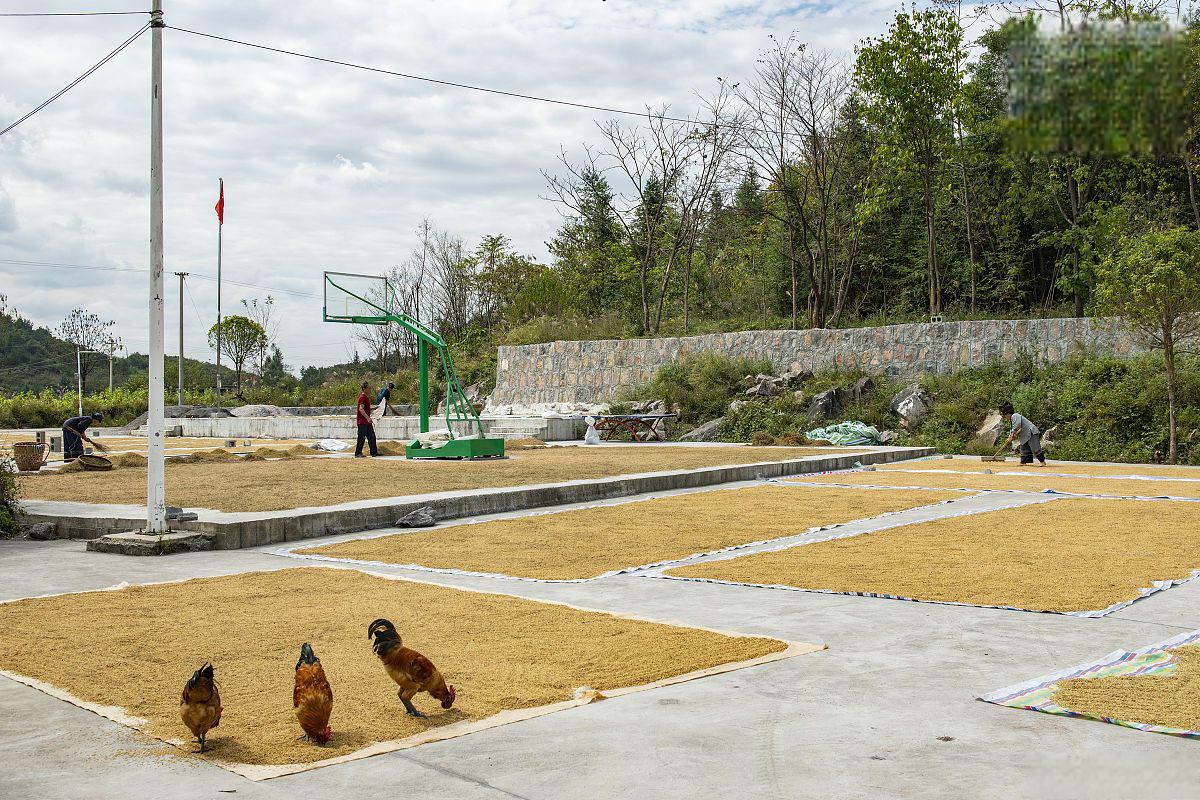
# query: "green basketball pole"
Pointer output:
{"type": "Point", "coordinates": [423, 359]}
{"type": "Point", "coordinates": [357, 308]}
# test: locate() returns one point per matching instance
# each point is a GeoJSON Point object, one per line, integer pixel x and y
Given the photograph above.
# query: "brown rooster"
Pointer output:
{"type": "Point", "coordinates": [200, 704]}
{"type": "Point", "coordinates": [312, 697]}
{"type": "Point", "coordinates": [412, 671]}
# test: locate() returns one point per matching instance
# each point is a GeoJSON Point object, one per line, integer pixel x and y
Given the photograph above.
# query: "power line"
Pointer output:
{"type": "Point", "coordinates": [441, 82]}
{"type": "Point", "coordinates": [74, 14]}
{"type": "Point", "coordinates": [200, 275]}
{"type": "Point", "coordinates": [112, 54]}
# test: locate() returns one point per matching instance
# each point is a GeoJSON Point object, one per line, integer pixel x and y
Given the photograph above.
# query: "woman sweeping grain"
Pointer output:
{"type": "Point", "coordinates": [1026, 433]}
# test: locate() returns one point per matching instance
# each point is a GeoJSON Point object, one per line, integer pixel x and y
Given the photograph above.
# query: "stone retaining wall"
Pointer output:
{"type": "Point", "coordinates": [592, 371]}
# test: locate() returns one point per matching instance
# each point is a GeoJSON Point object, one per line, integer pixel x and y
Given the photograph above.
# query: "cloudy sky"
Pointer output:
{"type": "Point", "coordinates": [327, 167]}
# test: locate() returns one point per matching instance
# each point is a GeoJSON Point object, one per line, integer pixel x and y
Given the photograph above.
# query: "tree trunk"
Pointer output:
{"type": "Point", "coordinates": [935, 289]}
{"type": "Point", "coordinates": [791, 254]}
{"type": "Point", "coordinates": [1169, 368]}
{"type": "Point", "coordinates": [1187, 163]}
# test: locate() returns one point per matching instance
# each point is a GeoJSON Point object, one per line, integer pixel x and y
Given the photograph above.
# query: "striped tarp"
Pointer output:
{"type": "Point", "coordinates": [1157, 659]}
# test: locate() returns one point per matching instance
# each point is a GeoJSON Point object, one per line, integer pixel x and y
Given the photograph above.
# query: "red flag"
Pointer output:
{"type": "Point", "coordinates": [220, 206]}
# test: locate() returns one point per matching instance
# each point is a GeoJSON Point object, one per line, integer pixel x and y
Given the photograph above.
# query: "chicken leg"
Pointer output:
{"type": "Point", "coordinates": [406, 699]}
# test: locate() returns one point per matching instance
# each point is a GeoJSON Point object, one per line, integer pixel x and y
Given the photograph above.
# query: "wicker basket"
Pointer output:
{"type": "Point", "coordinates": [94, 463]}
{"type": "Point", "coordinates": [30, 456]}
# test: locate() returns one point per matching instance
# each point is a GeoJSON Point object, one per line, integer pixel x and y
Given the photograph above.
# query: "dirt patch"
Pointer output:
{"type": "Point", "coordinates": [591, 541]}
{"type": "Point", "coordinates": [1170, 700]}
{"type": "Point", "coordinates": [136, 647]}
{"type": "Point", "coordinates": [1073, 554]}
{"type": "Point", "coordinates": [1034, 483]}
{"type": "Point", "coordinates": [241, 485]}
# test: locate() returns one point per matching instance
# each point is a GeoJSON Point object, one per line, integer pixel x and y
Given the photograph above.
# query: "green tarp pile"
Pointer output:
{"type": "Point", "coordinates": [846, 433]}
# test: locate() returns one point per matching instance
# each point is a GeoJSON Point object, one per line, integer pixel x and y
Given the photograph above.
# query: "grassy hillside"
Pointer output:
{"type": "Point", "coordinates": [33, 359]}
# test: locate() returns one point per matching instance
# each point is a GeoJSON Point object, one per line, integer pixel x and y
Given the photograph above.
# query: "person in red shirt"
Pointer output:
{"type": "Point", "coordinates": [362, 416]}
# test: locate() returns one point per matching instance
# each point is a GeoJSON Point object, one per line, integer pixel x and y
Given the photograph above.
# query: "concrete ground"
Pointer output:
{"type": "Point", "coordinates": [887, 711]}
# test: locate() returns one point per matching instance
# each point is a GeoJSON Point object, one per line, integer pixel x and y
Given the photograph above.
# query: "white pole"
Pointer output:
{"type": "Point", "coordinates": [156, 506]}
{"type": "Point", "coordinates": [79, 381]}
{"type": "Point", "coordinates": [179, 364]}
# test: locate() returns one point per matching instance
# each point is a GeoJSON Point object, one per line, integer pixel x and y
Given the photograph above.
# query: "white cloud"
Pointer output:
{"type": "Point", "coordinates": [327, 167]}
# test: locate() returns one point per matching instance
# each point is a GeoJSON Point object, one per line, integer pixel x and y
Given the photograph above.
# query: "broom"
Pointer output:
{"type": "Point", "coordinates": [996, 456]}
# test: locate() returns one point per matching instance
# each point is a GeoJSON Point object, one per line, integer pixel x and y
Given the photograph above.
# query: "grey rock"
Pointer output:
{"type": "Point", "coordinates": [911, 404]}
{"type": "Point", "coordinates": [421, 518]}
{"type": "Point", "coordinates": [827, 405]}
{"type": "Point", "coordinates": [887, 437]}
{"type": "Point", "coordinates": [1049, 435]}
{"type": "Point", "coordinates": [734, 405]}
{"type": "Point", "coordinates": [703, 433]}
{"type": "Point", "coordinates": [991, 428]}
{"type": "Point", "coordinates": [40, 531]}
{"type": "Point", "coordinates": [864, 387]}
{"type": "Point", "coordinates": [764, 388]}
{"type": "Point", "coordinates": [794, 375]}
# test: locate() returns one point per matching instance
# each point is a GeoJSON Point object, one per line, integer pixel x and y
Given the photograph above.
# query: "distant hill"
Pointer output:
{"type": "Point", "coordinates": [33, 358]}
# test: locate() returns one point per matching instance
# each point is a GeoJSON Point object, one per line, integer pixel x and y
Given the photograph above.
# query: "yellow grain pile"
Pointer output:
{"type": "Point", "coordinates": [588, 542]}
{"type": "Point", "coordinates": [530, 443]}
{"type": "Point", "coordinates": [1073, 554]}
{"type": "Point", "coordinates": [1171, 700]}
{"type": "Point", "coordinates": [135, 648]}
{"type": "Point", "coordinates": [1064, 467]}
{"type": "Point", "coordinates": [1035, 482]}
{"type": "Point", "coordinates": [275, 485]}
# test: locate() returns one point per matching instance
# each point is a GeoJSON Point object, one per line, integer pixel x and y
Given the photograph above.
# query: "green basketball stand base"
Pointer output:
{"type": "Point", "coordinates": [457, 448]}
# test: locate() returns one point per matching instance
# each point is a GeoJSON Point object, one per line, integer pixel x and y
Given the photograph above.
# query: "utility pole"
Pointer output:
{"type": "Point", "coordinates": [156, 505]}
{"type": "Point", "coordinates": [181, 275]}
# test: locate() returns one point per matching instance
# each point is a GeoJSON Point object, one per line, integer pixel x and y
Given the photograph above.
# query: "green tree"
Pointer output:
{"type": "Point", "coordinates": [1153, 282]}
{"type": "Point", "coordinates": [909, 79]}
{"type": "Point", "coordinates": [241, 339]}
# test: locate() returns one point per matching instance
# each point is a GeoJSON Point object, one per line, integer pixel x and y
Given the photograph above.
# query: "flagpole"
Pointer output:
{"type": "Point", "coordinates": [220, 230]}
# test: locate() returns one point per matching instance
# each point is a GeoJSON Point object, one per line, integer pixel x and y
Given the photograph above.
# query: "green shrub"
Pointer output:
{"type": "Point", "coordinates": [701, 384]}
{"type": "Point", "coordinates": [10, 512]}
{"type": "Point", "coordinates": [777, 416]}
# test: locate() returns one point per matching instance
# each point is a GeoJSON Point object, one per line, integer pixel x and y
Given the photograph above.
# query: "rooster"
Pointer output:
{"type": "Point", "coordinates": [412, 671]}
{"type": "Point", "coordinates": [200, 704]}
{"type": "Point", "coordinates": [312, 697]}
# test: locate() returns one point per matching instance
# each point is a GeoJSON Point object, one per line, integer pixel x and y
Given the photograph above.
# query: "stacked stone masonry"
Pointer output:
{"type": "Point", "coordinates": [592, 371]}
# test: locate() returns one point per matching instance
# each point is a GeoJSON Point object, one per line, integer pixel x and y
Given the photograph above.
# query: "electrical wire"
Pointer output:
{"type": "Point", "coordinates": [442, 82]}
{"type": "Point", "coordinates": [73, 13]}
{"type": "Point", "coordinates": [200, 275]}
{"type": "Point", "coordinates": [111, 55]}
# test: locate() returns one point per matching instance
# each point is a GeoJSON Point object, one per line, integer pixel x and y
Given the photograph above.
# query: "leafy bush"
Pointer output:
{"type": "Point", "coordinates": [701, 384]}
{"type": "Point", "coordinates": [1105, 408]}
{"type": "Point", "coordinates": [9, 494]}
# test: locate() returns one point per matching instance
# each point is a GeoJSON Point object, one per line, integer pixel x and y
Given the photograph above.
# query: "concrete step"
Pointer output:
{"type": "Point", "coordinates": [140, 544]}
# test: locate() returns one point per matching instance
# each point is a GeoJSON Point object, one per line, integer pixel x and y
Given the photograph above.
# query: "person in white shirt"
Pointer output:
{"type": "Point", "coordinates": [1025, 433]}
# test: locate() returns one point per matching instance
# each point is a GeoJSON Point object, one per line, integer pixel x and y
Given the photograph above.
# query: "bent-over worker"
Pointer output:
{"type": "Point", "coordinates": [383, 401]}
{"type": "Point", "coordinates": [74, 435]}
{"type": "Point", "coordinates": [1025, 433]}
{"type": "Point", "coordinates": [366, 429]}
